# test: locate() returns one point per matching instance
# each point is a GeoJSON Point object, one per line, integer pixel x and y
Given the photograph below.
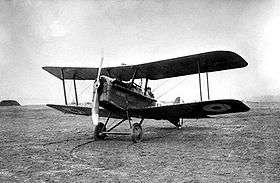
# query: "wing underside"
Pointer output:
{"type": "Point", "coordinates": [192, 64]}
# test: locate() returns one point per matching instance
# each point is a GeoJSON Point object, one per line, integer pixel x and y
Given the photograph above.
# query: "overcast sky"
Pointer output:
{"type": "Point", "coordinates": [72, 33]}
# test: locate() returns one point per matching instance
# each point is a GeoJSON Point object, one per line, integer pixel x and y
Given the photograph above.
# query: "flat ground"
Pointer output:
{"type": "Point", "coordinates": [38, 144]}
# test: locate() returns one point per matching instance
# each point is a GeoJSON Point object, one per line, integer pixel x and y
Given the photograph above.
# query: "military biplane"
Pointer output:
{"type": "Point", "coordinates": [116, 94]}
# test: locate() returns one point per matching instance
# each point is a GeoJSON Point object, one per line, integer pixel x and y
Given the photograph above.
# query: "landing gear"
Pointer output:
{"type": "Point", "coordinates": [136, 132]}
{"type": "Point", "coordinates": [99, 128]}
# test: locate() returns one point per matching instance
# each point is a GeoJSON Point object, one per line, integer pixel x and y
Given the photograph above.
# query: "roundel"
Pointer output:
{"type": "Point", "coordinates": [216, 107]}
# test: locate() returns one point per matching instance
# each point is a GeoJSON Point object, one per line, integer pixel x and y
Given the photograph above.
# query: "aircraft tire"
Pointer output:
{"type": "Point", "coordinates": [97, 130]}
{"type": "Point", "coordinates": [136, 133]}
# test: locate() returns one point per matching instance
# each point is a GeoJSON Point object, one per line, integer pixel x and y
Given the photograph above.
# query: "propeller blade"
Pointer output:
{"type": "Point", "coordinates": [95, 109]}
{"type": "Point", "coordinates": [95, 100]}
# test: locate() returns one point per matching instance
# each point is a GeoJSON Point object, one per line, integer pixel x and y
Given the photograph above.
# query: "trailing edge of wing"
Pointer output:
{"type": "Point", "coordinates": [192, 64]}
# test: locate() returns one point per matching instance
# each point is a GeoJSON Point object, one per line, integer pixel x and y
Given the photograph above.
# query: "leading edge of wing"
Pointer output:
{"type": "Point", "coordinates": [174, 67]}
{"type": "Point", "coordinates": [192, 110]}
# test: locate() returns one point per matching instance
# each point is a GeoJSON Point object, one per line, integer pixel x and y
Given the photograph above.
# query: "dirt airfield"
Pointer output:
{"type": "Point", "coordinates": [39, 144]}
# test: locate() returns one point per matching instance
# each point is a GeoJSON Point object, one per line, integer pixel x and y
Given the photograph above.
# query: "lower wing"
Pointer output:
{"type": "Point", "coordinates": [78, 110]}
{"type": "Point", "coordinates": [191, 110]}
{"type": "Point", "coordinates": [168, 112]}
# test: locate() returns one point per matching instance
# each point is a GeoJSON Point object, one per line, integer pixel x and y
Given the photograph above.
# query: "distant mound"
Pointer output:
{"type": "Point", "coordinates": [9, 103]}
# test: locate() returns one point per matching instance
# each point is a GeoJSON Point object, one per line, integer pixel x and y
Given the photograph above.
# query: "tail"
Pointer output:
{"type": "Point", "coordinates": [177, 100]}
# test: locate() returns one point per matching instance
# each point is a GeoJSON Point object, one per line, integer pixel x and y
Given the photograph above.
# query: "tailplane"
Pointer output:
{"type": "Point", "coordinates": [177, 101]}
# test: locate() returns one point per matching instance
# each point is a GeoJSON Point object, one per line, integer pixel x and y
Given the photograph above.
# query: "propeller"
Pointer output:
{"type": "Point", "coordinates": [95, 100]}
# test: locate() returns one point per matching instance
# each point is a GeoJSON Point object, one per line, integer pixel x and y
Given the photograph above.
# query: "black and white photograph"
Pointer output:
{"type": "Point", "coordinates": [183, 91]}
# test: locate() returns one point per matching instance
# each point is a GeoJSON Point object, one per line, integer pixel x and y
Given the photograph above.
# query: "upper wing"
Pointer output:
{"type": "Point", "coordinates": [207, 62]}
{"type": "Point", "coordinates": [191, 110]}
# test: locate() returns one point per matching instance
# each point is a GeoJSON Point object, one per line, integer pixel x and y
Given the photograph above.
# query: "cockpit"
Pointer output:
{"type": "Point", "coordinates": [130, 85]}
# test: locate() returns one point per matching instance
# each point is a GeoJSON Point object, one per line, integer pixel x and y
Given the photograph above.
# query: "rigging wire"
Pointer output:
{"type": "Point", "coordinates": [171, 88]}
{"type": "Point", "coordinates": [85, 88]}
{"type": "Point", "coordinates": [160, 85]}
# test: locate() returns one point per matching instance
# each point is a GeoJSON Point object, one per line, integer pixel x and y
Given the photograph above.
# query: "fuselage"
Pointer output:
{"type": "Point", "coordinates": [117, 95]}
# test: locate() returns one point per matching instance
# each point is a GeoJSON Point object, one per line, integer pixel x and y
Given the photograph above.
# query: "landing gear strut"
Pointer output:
{"type": "Point", "coordinates": [136, 132]}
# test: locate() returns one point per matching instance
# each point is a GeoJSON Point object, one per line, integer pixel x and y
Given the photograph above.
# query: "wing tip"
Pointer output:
{"type": "Point", "coordinates": [241, 105]}
{"type": "Point", "coordinates": [45, 68]}
{"type": "Point", "coordinates": [245, 107]}
{"type": "Point", "coordinates": [239, 59]}
{"type": "Point", "coordinates": [231, 55]}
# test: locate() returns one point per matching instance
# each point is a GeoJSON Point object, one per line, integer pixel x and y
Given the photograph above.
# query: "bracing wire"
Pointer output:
{"type": "Point", "coordinates": [171, 88]}
{"type": "Point", "coordinates": [160, 85]}
{"type": "Point", "coordinates": [86, 88]}
{"type": "Point", "coordinates": [81, 93]}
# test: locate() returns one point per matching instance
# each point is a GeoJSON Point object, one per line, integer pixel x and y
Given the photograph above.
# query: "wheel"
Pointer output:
{"type": "Point", "coordinates": [136, 132]}
{"type": "Point", "coordinates": [97, 130]}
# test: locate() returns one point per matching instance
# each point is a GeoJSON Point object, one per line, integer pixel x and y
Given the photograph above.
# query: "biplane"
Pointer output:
{"type": "Point", "coordinates": [116, 94]}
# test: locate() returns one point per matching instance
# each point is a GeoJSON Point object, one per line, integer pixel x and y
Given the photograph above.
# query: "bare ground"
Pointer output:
{"type": "Point", "coordinates": [39, 144]}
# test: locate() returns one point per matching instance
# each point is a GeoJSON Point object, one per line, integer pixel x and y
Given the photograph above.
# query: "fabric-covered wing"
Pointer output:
{"type": "Point", "coordinates": [191, 110]}
{"type": "Point", "coordinates": [204, 62]}
{"type": "Point", "coordinates": [82, 110]}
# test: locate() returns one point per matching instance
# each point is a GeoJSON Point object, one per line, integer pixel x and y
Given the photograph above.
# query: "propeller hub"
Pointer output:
{"type": "Point", "coordinates": [96, 84]}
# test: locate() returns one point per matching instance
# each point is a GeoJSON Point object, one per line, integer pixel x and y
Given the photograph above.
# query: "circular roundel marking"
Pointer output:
{"type": "Point", "coordinates": [216, 107]}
